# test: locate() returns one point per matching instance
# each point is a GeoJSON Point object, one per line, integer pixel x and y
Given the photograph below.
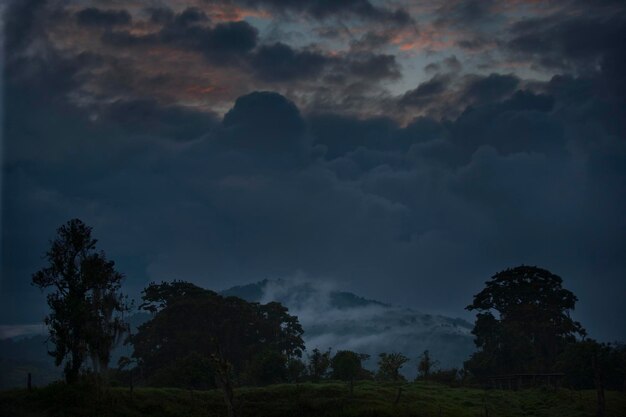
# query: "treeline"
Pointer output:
{"type": "Point", "coordinates": [199, 339]}
{"type": "Point", "coordinates": [194, 333]}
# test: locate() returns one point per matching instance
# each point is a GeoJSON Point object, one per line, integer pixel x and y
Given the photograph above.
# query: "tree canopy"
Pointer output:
{"type": "Point", "coordinates": [523, 322]}
{"type": "Point", "coordinates": [389, 365]}
{"type": "Point", "coordinates": [192, 320]}
{"type": "Point", "coordinates": [348, 365]}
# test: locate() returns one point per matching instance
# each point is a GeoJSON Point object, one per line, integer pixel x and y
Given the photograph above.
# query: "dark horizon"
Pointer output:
{"type": "Point", "coordinates": [403, 151]}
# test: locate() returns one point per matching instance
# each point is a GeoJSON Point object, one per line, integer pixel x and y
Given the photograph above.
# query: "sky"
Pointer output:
{"type": "Point", "coordinates": [402, 150]}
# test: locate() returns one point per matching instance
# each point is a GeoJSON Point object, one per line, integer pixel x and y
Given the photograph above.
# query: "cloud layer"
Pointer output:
{"type": "Point", "coordinates": [235, 141]}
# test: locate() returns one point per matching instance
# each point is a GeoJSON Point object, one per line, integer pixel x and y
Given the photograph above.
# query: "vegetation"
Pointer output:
{"type": "Point", "coordinates": [425, 365]}
{"type": "Point", "coordinates": [189, 320]}
{"type": "Point", "coordinates": [523, 322]}
{"type": "Point", "coordinates": [389, 365]}
{"type": "Point", "coordinates": [348, 366]}
{"type": "Point", "coordinates": [369, 399]}
{"type": "Point", "coordinates": [236, 341]}
{"type": "Point", "coordinates": [86, 304]}
{"type": "Point", "coordinates": [319, 363]}
{"type": "Point", "coordinates": [586, 362]}
{"type": "Point", "coordinates": [197, 340]}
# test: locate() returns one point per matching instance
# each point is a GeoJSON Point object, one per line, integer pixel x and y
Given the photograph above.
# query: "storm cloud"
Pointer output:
{"type": "Point", "coordinates": [199, 147]}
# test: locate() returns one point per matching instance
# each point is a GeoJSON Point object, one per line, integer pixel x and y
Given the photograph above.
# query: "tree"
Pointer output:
{"type": "Point", "coordinates": [523, 322]}
{"type": "Point", "coordinates": [188, 318]}
{"type": "Point", "coordinates": [227, 331]}
{"type": "Point", "coordinates": [318, 364]}
{"type": "Point", "coordinates": [347, 365]}
{"type": "Point", "coordinates": [389, 365]}
{"type": "Point", "coordinates": [425, 365]}
{"type": "Point", "coordinates": [87, 306]}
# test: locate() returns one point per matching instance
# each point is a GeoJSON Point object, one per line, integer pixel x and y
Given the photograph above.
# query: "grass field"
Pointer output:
{"type": "Point", "coordinates": [325, 399]}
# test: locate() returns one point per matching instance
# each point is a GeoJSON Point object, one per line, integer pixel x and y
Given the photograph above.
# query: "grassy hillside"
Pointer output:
{"type": "Point", "coordinates": [327, 399]}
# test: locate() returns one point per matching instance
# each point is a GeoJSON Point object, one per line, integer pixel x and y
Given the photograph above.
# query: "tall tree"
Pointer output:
{"type": "Point", "coordinates": [425, 365]}
{"type": "Point", "coordinates": [319, 362]}
{"type": "Point", "coordinates": [86, 303]}
{"type": "Point", "coordinates": [523, 322]}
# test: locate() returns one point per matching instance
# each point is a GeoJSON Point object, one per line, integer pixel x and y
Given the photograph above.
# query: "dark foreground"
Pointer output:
{"type": "Point", "coordinates": [327, 399]}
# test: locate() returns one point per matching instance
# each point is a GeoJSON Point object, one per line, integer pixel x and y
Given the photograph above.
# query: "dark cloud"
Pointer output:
{"type": "Point", "coordinates": [465, 12]}
{"type": "Point", "coordinates": [231, 37]}
{"type": "Point", "coordinates": [189, 16]}
{"type": "Point", "coordinates": [521, 123]}
{"type": "Point", "coordinates": [426, 93]}
{"type": "Point", "coordinates": [419, 131]}
{"type": "Point", "coordinates": [323, 9]}
{"type": "Point", "coordinates": [491, 88]}
{"type": "Point", "coordinates": [580, 43]}
{"type": "Point", "coordinates": [222, 43]}
{"type": "Point", "coordinates": [476, 43]}
{"type": "Point", "coordinates": [147, 117]}
{"type": "Point", "coordinates": [343, 134]}
{"type": "Point", "coordinates": [375, 67]}
{"type": "Point", "coordinates": [495, 170]}
{"type": "Point", "coordinates": [450, 64]}
{"type": "Point", "coordinates": [92, 16]}
{"type": "Point", "coordinates": [280, 62]}
{"type": "Point", "coordinates": [21, 24]}
{"type": "Point", "coordinates": [264, 121]}
{"type": "Point", "coordinates": [161, 15]}
{"type": "Point", "coordinates": [371, 40]}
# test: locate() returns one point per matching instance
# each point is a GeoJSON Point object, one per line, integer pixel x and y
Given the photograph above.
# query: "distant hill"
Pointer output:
{"type": "Point", "coordinates": [342, 320]}
{"type": "Point", "coordinates": [298, 292]}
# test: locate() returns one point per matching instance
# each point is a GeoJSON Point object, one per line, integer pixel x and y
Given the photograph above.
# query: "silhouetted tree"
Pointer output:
{"type": "Point", "coordinates": [239, 339]}
{"type": "Point", "coordinates": [347, 366]}
{"type": "Point", "coordinates": [189, 318]}
{"type": "Point", "coordinates": [87, 306]}
{"type": "Point", "coordinates": [319, 362]}
{"type": "Point", "coordinates": [523, 322]}
{"type": "Point", "coordinates": [389, 365]}
{"type": "Point", "coordinates": [156, 297]}
{"type": "Point", "coordinates": [425, 365]}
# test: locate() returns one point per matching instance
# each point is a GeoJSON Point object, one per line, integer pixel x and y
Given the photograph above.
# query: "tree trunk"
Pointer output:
{"type": "Point", "coordinates": [229, 396]}
{"type": "Point", "coordinates": [397, 400]}
{"type": "Point", "coordinates": [72, 371]}
{"type": "Point", "coordinates": [223, 379]}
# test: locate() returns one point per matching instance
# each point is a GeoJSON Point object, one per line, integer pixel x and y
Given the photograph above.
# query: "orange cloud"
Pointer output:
{"type": "Point", "coordinates": [430, 40]}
